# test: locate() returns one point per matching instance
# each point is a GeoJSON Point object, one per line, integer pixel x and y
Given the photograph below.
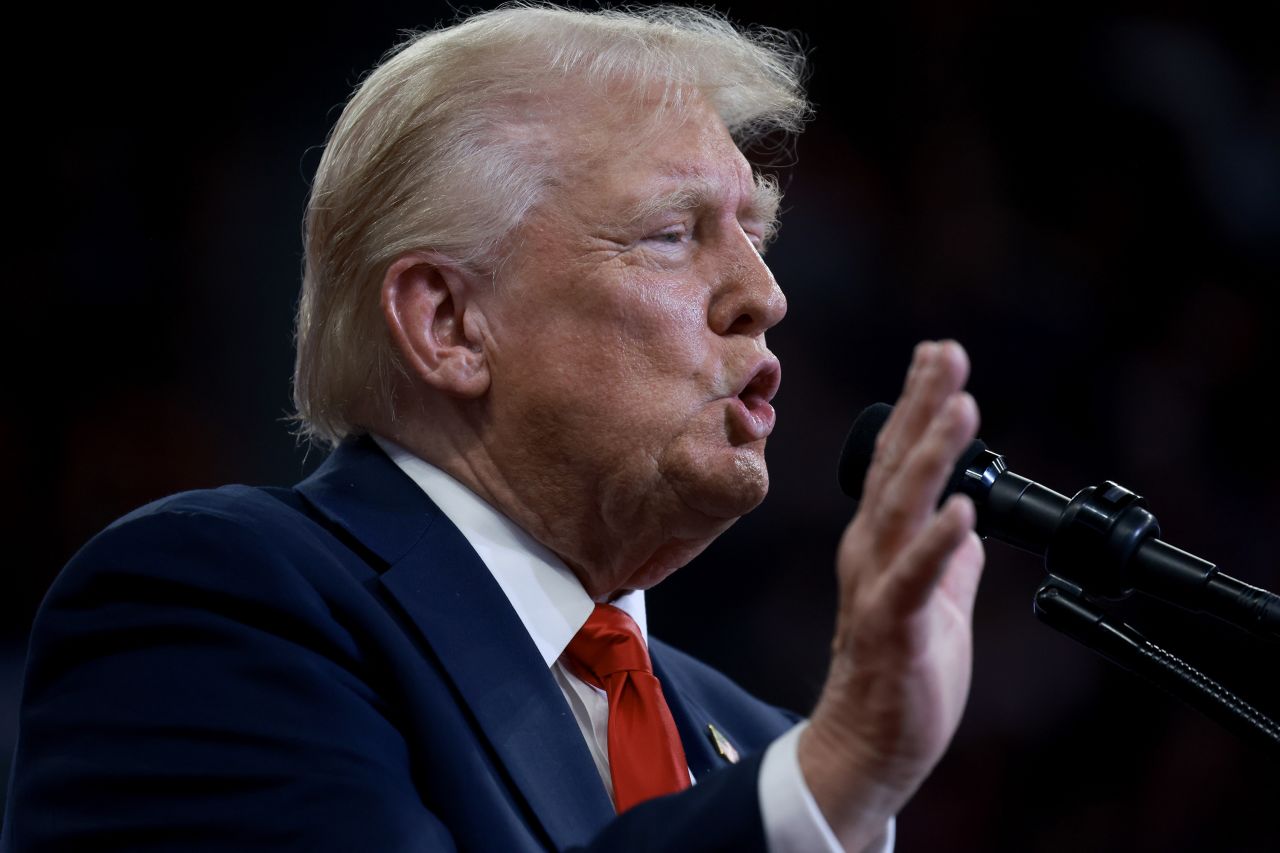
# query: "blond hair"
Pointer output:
{"type": "Point", "coordinates": [429, 154]}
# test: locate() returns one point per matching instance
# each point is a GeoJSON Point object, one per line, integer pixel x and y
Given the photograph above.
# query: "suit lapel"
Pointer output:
{"type": "Point", "coordinates": [454, 602]}
{"type": "Point", "coordinates": [691, 720]}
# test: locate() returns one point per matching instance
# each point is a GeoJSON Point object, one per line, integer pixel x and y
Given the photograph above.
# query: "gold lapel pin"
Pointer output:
{"type": "Point", "coordinates": [722, 745]}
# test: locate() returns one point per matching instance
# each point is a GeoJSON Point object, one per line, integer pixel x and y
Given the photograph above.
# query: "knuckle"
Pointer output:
{"type": "Point", "coordinates": [892, 514]}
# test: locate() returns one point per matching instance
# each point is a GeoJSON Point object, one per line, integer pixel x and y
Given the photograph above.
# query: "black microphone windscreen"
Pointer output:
{"type": "Point", "coordinates": [860, 446]}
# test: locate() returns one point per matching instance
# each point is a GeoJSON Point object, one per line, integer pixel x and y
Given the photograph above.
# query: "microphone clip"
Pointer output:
{"type": "Point", "coordinates": [1099, 534]}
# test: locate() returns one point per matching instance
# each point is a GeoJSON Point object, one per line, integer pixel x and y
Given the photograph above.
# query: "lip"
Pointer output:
{"type": "Point", "coordinates": [755, 417]}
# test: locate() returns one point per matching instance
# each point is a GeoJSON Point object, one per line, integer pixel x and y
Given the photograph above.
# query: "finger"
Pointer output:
{"type": "Point", "coordinates": [886, 441]}
{"type": "Point", "coordinates": [938, 370]}
{"type": "Point", "coordinates": [920, 566]}
{"type": "Point", "coordinates": [942, 370]}
{"type": "Point", "coordinates": [960, 581]}
{"type": "Point", "coordinates": [909, 498]}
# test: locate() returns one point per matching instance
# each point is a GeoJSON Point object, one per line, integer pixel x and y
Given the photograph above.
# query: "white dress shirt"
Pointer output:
{"type": "Point", "coordinates": [552, 605]}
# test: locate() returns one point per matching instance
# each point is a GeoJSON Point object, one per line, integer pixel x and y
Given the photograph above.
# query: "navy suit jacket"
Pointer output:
{"type": "Point", "coordinates": [331, 667]}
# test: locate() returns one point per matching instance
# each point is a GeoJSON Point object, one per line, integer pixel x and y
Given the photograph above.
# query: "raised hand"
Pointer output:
{"type": "Point", "coordinates": [908, 572]}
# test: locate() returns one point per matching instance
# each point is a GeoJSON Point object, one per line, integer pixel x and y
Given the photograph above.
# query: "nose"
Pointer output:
{"type": "Point", "coordinates": [747, 300]}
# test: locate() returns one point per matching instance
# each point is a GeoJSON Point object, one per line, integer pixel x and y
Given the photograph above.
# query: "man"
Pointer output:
{"type": "Point", "coordinates": [533, 324]}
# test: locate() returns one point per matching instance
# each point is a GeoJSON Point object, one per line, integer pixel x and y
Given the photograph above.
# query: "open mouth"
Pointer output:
{"type": "Point", "coordinates": [757, 417]}
{"type": "Point", "coordinates": [762, 385]}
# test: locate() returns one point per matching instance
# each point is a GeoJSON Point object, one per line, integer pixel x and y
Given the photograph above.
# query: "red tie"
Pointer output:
{"type": "Point", "coordinates": [646, 759]}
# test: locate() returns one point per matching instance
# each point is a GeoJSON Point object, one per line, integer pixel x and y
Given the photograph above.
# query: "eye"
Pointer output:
{"type": "Point", "coordinates": [673, 240]}
{"type": "Point", "coordinates": [758, 237]}
{"type": "Point", "coordinates": [670, 236]}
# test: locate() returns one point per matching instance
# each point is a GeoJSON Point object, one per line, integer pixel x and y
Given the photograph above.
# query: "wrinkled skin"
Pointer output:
{"type": "Point", "coordinates": [624, 414]}
{"type": "Point", "coordinates": [607, 389]}
{"type": "Point", "coordinates": [908, 574]}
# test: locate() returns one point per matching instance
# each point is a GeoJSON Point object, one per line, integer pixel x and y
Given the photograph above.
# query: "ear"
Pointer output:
{"type": "Point", "coordinates": [435, 324]}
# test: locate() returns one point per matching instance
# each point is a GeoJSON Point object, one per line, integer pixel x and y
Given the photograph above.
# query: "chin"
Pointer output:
{"type": "Point", "coordinates": [727, 486]}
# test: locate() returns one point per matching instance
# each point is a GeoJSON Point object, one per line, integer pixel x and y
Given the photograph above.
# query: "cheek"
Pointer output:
{"type": "Point", "coordinates": [630, 352]}
{"type": "Point", "coordinates": [630, 338]}
{"type": "Point", "coordinates": [663, 335]}
{"type": "Point", "coordinates": [665, 310]}
{"type": "Point", "coordinates": [713, 478]}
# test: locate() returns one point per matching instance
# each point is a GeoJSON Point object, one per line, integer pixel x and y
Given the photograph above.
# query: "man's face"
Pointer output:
{"type": "Point", "coordinates": [630, 374]}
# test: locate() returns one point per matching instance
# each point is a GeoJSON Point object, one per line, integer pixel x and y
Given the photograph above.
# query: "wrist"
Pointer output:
{"type": "Point", "coordinates": [848, 787]}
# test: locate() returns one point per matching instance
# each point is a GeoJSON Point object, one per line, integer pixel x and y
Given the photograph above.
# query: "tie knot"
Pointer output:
{"type": "Point", "coordinates": [609, 643]}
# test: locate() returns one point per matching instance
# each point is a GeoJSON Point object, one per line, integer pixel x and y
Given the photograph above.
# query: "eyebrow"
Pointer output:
{"type": "Point", "coordinates": [765, 199]}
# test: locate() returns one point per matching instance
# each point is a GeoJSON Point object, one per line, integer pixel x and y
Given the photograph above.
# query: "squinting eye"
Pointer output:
{"type": "Point", "coordinates": [757, 243]}
{"type": "Point", "coordinates": [672, 242]}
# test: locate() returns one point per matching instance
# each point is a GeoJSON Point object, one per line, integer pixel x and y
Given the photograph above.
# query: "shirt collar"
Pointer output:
{"type": "Point", "coordinates": [543, 591]}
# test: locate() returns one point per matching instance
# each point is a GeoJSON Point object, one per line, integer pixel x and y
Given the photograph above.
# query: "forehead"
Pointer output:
{"type": "Point", "coordinates": [619, 153]}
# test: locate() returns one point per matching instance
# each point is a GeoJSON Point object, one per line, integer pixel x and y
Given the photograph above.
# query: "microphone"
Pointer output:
{"type": "Point", "coordinates": [1103, 540]}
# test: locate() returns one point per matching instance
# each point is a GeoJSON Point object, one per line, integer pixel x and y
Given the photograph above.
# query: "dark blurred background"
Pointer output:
{"type": "Point", "coordinates": [1087, 198]}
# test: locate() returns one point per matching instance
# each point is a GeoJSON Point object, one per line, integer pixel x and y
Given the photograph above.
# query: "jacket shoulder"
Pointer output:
{"type": "Point", "coordinates": [209, 669]}
{"type": "Point", "coordinates": [247, 507]}
{"type": "Point", "coordinates": [248, 542]}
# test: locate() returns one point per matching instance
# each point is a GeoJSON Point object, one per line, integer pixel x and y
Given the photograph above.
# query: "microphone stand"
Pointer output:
{"type": "Point", "coordinates": [1082, 556]}
{"type": "Point", "coordinates": [1065, 607]}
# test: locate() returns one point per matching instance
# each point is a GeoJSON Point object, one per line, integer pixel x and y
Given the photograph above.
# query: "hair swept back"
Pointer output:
{"type": "Point", "coordinates": [429, 155]}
